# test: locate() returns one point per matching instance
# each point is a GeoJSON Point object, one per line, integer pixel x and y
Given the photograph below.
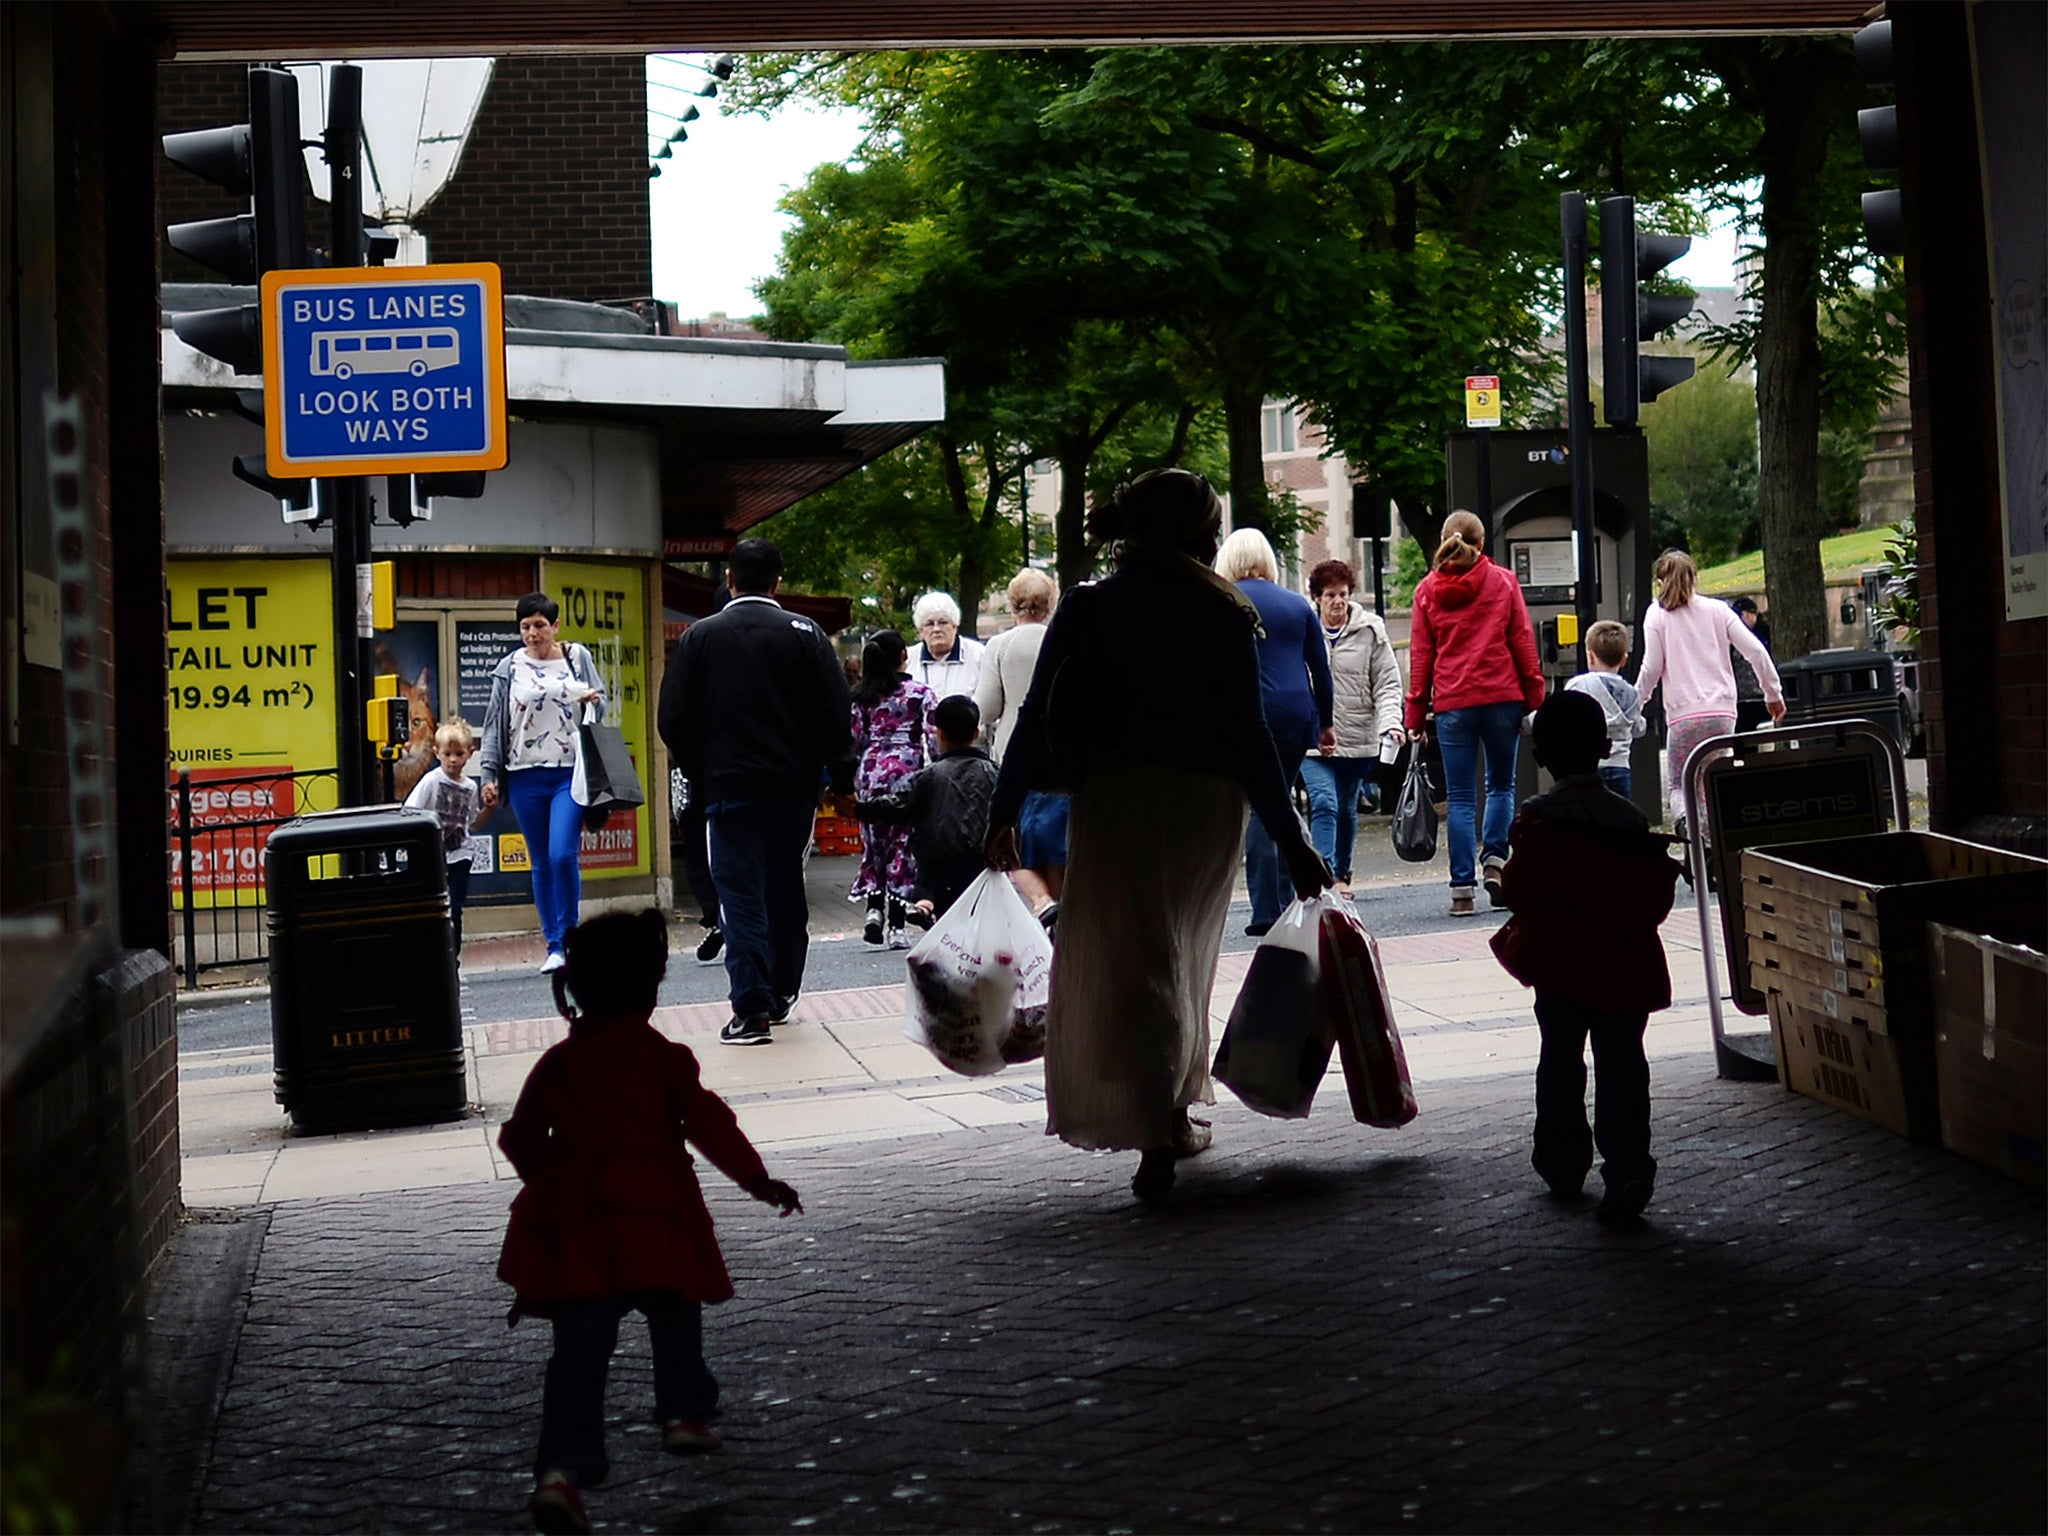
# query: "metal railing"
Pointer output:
{"type": "Point", "coordinates": [219, 825]}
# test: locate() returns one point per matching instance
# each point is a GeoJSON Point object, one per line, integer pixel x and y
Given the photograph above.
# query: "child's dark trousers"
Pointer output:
{"type": "Point", "coordinates": [458, 892]}
{"type": "Point", "coordinates": [1621, 1095]}
{"type": "Point", "coordinates": [572, 1400]}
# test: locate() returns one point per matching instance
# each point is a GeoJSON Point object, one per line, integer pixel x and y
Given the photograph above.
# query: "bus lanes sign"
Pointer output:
{"type": "Point", "coordinates": [384, 370]}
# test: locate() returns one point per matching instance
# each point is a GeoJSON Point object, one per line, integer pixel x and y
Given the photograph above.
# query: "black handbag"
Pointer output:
{"type": "Point", "coordinates": [1415, 811]}
{"type": "Point", "coordinates": [605, 771]}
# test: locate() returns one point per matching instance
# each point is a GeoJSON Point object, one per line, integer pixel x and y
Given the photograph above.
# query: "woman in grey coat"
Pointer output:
{"type": "Point", "coordinates": [539, 695]}
{"type": "Point", "coordinates": [1365, 677]}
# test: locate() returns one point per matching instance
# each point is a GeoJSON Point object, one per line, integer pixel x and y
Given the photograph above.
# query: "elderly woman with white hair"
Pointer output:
{"type": "Point", "coordinates": [943, 659]}
{"type": "Point", "coordinates": [1294, 680]}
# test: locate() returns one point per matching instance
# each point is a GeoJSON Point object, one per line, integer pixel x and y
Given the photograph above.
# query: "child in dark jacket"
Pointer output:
{"type": "Point", "coordinates": [1588, 883]}
{"type": "Point", "coordinates": [946, 805]}
{"type": "Point", "coordinates": [611, 1219]}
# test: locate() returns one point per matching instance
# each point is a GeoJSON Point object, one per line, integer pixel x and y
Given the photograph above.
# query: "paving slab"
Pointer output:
{"type": "Point", "coordinates": [1327, 1328]}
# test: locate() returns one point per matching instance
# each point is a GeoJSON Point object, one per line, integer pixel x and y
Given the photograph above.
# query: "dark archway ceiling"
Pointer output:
{"type": "Point", "coordinates": [242, 29]}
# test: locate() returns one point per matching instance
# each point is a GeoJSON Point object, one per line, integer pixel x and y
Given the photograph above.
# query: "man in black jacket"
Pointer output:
{"type": "Point", "coordinates": [756, 712]}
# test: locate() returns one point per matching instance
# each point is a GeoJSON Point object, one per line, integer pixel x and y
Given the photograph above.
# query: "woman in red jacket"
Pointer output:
{"type": "Point", "coordinates": [1472, 659]}
{"type": "Point", "coordinates": [611, 1219]}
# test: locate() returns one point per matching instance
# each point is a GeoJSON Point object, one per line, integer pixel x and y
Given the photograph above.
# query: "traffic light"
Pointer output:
{"type": "Point", "coordinates": [259, 159]}
{"type": "Point", "coordinates": [410, 498]}
{"type": "Point", "coordinates": [1884, 226]}
{"type": "Point", "coordinates": [1629, 317]}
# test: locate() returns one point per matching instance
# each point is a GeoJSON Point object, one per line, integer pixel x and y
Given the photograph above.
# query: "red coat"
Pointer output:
{"type": "Point", "coordinates": [1587, 904]}
{"type": "Point", "coordinates": [611, 1203]}
{"type": "Point", "coordinates": [1469, 642]}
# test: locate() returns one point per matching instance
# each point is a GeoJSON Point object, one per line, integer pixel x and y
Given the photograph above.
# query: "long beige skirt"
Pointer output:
{"type": "Point", "coordinates": [1151, 856]}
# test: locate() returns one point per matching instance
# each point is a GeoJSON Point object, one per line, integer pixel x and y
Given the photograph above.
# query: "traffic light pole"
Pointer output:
{"type": "Point", "coordinates": [348, 495]}
{"type": "Point", "coordinates": [1579, 408]}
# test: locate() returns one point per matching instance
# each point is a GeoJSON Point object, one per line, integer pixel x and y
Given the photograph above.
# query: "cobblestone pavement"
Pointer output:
{"type": "Point", "coordinates": [1822, 1327]}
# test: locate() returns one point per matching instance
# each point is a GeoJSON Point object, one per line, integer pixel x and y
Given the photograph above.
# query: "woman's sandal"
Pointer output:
{"type": "Point", "coordinates": [1191, 1137]}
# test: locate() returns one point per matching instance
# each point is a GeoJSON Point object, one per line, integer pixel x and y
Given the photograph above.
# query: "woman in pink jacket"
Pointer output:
{"type": "Point", "coordinates": [1685, 651]}
{"type": "Point", "coordinates": [1472, 659]}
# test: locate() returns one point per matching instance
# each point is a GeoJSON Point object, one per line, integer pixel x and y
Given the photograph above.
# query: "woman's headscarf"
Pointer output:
{"type": "Point", "coordinates": [1169, 514]}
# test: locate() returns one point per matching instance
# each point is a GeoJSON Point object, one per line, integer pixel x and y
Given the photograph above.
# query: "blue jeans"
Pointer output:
{"type": "Point", "coordinates": [1042, 830]}
{"type": "Point", "coordinates": [572, 1395]}
{"type": "Point", "coordinates": [1333, 786]}
{"type": "Point", "coordinates": [757, 863]}
{"type": "Point", "coordinates": [1265, 876]}
{"type": "Point", "coordinates": [1494, 730]}
{"type": "Point", "coordinates": [552, 824]}
{"type": "Point", "coordinates": [1618, 780]}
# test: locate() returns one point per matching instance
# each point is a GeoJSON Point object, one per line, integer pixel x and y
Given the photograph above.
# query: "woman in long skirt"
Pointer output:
{"type": "Point", "coordinates": [1162, 747]}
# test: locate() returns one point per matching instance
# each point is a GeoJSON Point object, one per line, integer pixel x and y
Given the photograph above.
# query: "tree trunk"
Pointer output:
{"type": "Point", "coordinates": [975, 555]}
{"type": "Point", "coordinates": [1803, 96]}
{"type": "Point", "coordinates": [963, 508]}
{"type": "Point", "coordinates": [1241, 429]}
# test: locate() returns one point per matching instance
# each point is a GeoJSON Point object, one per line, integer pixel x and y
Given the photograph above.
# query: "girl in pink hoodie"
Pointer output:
{"type": "Point", "coordinates": [1685, 651]}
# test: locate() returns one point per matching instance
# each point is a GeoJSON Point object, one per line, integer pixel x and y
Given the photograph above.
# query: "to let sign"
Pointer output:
{"type": "Point", "coordinates": [1482, 400]}
{"type": "Point", "coordinates": [384, 370]}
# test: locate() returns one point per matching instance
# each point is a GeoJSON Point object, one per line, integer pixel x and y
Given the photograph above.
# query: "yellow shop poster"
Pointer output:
{"type": "Point", "coordinates": [249, 652]}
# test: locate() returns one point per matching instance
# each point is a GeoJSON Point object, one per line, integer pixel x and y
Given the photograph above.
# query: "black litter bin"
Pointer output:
{"type": "Point", "coordinates": [1843, 685]}
{"type": "Point", "coordinates": [365, 1010]}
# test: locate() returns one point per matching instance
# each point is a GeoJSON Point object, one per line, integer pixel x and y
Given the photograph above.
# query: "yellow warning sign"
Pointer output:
{"type": "Point", "coordinates": [1482, 400]}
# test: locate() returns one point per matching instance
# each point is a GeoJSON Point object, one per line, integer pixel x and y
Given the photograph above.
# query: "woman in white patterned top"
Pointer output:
{"type": "Point", "coordinates": [538, 697]}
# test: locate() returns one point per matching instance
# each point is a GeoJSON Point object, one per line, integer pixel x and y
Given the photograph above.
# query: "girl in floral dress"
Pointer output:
{"type": "Point", "coordinates": [892, 731]}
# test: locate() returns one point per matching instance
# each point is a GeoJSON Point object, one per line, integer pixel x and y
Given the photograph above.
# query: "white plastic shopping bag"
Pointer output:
{"type": "Point", "coordinates": [979, 981]}
{"type": "Point", "coordinates": [1277, 1044]}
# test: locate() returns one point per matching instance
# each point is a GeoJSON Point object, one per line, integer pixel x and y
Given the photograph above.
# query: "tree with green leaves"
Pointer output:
{"type": "Point", "coordinates": [1829, 320]}
{"type": "Point", "coordinates": [1702, 451]}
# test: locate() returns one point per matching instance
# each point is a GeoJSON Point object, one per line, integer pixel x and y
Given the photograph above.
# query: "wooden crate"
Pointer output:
{"type": "Point", "coordinates": [1887, 1081]}
{"type": "Point", "coordinates": [1851, 944]}
{"type": "Point", "coordinates": [1816, 982]}
{"type": "Point", "coordinates": [1991, 1049]}
{"type": "Point", "coordinates": [1877, 894]}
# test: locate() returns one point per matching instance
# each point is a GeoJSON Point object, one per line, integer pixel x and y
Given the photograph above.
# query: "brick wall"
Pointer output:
{"type": "Point", "coordinates": [89, 1166]}
{"type": "Point", "coordinates": [553, 183]}
{"type": "Point", "coordinates": [1984, 681]}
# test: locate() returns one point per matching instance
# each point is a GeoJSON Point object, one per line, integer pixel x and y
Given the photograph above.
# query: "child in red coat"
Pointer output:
{"type": "Point", "coordinates": [611, 1219]}
{"type": "Point", "coordinates": [1588, 883]}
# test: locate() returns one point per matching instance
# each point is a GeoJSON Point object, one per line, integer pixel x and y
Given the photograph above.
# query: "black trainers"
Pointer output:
{"type": "Point", "coordinates": [708, 951]}
{"type": "Point", "coordinates": [1625, 1202]}
{"type": "Point", "coordinates": [783, 1006]}
{"type": "Point", "coordinates": [871, 932]}
{"type": "Point", "coordinates": [746, 1032]}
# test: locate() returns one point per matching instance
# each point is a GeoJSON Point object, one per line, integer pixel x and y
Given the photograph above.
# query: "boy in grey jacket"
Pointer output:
{"type": "Point", "coordinates": [946, 805]}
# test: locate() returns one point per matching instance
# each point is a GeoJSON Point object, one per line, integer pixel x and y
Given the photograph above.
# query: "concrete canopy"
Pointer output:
{"type": "Point", "coordinates": [237, 29]}
{"type": "Point", "coordinates": [746, 428]}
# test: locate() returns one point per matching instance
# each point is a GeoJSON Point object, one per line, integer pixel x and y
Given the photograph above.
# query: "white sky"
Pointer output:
{"type": "Point", "coordinates": [717, 231]}
{"type": "Point", "coordinates": [716, 228]}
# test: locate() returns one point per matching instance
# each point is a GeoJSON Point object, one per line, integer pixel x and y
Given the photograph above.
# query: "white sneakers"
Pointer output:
{"type": "Point", "coordinates": [554, 962]}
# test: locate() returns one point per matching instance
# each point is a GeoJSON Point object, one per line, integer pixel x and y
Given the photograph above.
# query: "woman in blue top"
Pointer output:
{"type": "Point", "coordinates": [1294, 680]}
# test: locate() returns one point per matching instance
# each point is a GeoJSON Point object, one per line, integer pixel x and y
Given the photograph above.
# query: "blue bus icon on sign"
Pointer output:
{"type": "Point", "coordinates": [384, 371]}
{"type": "Point", "coordinates": [344, 354]}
